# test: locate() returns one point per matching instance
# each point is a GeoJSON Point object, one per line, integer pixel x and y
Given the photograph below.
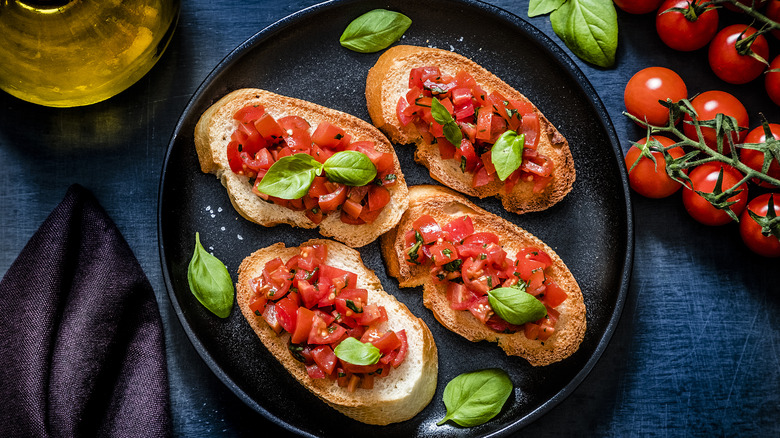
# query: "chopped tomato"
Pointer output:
{"type": "Point", "coordinates": [333, 200]}
{"type": "Point", "coordinates": [403, 350]}
{"type": "Point", "coordinates": [428, 227]}
{"type": "Point", "coordinates": [387, 343]}
{"type": "Point", "coordinates": [481, 309]}
{"type": "Point", "coordinates": [554, 296]}
{"type": "Point", "coordinates": [350, 302]}
{"type": "Point", "coordinates": [325, 358]}
{"type": "Point", "coordinates": [460, 228]}
{"type": "Point", "coordinates": [267, 127]}
{"type": "Point", "coordinates": [303, 322]}
{"type": "Point", "coordinates": [287, 314]}
{"type": "Point", "coordinates": [531, 130]}
{"type": "Point", "coordinates": [327, 135]}
{"type": "Point", "coordinates": [443, 252]}
{"type": "Point", "coordinates": [249, 113]}
{"type": "Point", "coordinates": [322, 333]}
{"type": "Point", "coordinates": [459, 296]}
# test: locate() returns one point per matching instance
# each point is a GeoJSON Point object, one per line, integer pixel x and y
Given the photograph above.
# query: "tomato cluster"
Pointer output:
{"type": "Point", "coordinates": [260, 140]}
{"type": "Point", "coordinates": [320, 306]}
{"type": "Point", "coordinates": [737, 53]}
{"type": "Point", "coordinates": [646, 160]}
{"type": "Point", "coordinates": [481, 117]}
{"type": "Point", "coordinates": [472, 263]}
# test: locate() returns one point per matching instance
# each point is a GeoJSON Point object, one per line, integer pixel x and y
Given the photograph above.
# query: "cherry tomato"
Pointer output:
{"type": "Point", "coordinates": [686, 31]}
{"type": "Point", "coordinates": [707, 105]}
{"type": "Point", "coordinates": [755, 159]}
{"type": "Point", "coordinates": [750, 230]}
{"type": "Point", "coordinates": [703, 179]}
{"type": "Point", "coordinates": [772, 81]}
{"type": "Point", "coordinates": [773, 13]}
{"type": "Point", "coordinates": [638, 6]}
{"type": "Point", "coordinates": [647, 87]}
{"type": "Point", "coordinates": [650, 179]}
{"type": "Point", "coordinates": [734, 65]}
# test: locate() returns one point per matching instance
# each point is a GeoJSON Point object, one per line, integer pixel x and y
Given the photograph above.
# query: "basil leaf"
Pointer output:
{"type": "Point", "coordinates": [515, 305]}
{"type": "Point", "coordinates": [374, 30]}
{"type": "Point", "coordinates": [352, 168]}
{"type": "Point", "coordinates": [589, 28]}
{"type": "Point", "coordinates": [443, 117]}
{"type": "Point", "coordinates": [357, 353]}
{"type": "Point", "coordinates": [290, 177]}
{"type": "Point", "coordinates": [543, 7]}
{"type": "Point", "coordinates": [210, 281]}
{"type": "Point", "coordinates": [507, 153]}
{"type": "Point", "coordinates": [476, 397]}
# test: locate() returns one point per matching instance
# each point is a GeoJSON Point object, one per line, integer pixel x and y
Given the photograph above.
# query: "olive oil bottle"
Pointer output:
{"type": "Point", "coordinates": [65, 53]}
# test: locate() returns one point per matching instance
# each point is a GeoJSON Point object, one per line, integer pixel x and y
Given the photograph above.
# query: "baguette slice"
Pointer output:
{"type": "Point", "coordinates": [445, 205]}
{"type": "Point", "coordinates": [388, 80]}
{"type": "Point", "coordinates": [397, 397]}
{"type": "Point", "coordinates": [212, 135]}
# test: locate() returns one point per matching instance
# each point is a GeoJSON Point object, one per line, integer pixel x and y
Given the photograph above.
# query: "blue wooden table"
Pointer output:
{"type": "Point", "coordinates": [696, 352]}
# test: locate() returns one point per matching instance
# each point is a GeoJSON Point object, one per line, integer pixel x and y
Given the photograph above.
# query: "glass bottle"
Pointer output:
{"type": "Point", "coordinates": [65, 53]}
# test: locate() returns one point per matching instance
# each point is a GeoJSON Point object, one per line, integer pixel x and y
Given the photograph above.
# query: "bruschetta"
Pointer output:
{"type": "Point", "coordinates": [462, 255]}
{"type": "Point", "coordinates": [322, 313]}
{"type": "Point", "coordinates": [475, 133]}
{"type": "Point", "coordinates": [254, 141]}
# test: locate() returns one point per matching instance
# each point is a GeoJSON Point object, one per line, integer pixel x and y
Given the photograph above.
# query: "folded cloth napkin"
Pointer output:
{"type": "Point", "coordinates": [82, 349]}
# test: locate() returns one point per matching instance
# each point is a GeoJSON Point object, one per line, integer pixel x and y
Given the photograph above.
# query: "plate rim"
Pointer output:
{"type": "Point", "coordinates": [544, 42]}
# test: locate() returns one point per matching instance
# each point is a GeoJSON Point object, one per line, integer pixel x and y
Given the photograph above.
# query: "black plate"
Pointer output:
{"type": "Point", "coordinates": [299, 56]}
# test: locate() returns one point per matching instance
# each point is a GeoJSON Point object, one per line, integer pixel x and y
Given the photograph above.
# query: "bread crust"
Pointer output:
{"type": "Point", "coordinates": [398, 397]}
{"type": "Point", "coordinates": [212, 135]}
{"type": "Point", "coordinates": [388, 80]}
{"type": "Point", "coordinates": [444, 205]}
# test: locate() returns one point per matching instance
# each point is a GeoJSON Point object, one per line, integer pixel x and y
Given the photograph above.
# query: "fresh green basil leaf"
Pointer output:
{"type": "Point", "coordinates": [290, 177]}
{"type": "Point", "coordinates": [515, 305]}
{"type": "Point", "coordinates": [357, 353]}
{"type": "Point", "coordinates": [443, 117]}
{"type": "Point", "coordinates": [589, 29]}
{"type": "Point", "coordinates": [507, 153]}
{"type": "Point", "coordinates": [374, 30]}
{"type": "Point", "coordinates": [210, 281]}
{"type": "Point", "coordinates": [476, 397]}
{"type": "Point", "coordinates": [352, 168]}
{"type": "Point", "coordinates": [543, 7]}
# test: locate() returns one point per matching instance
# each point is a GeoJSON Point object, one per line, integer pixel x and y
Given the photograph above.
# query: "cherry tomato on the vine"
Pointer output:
{"type": "Point", "coordinates": [707, 105]}
{"type": "Point", "coordinates": [772, 80]}
{"type": "Point", "coordinates": [689, 30]}
{"type": "Point", "coordinates": [755, 159]}
{"type": "Point", "coordinates": [650, 179]}
{"type": "Point", "coordinates": [731, 61]}
{"type": "Point", "coordinates": [751, 231]}
{"type": "Point", "coordinates": [704, 179]}
{"type": "Point", "coordinates": [638, 6]}
{"type": "Point", "coordinates": [647, 87]}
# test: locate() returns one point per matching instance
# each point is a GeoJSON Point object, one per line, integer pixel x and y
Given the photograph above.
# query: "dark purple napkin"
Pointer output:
{"type": "Point", "coordinates": [82, 350]}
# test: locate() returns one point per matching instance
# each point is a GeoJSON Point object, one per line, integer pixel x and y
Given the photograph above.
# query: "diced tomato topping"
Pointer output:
{"type": "Point", "coordinates": [471, 264]}
{"type": "Point", "coordinates": [460, 228]}
{"type": "Point", "coordinates": [428, 228]}
{"type": "Point", "coordinates": [249, 113]}
{"type": "Point", "coordinates": [327, 135]}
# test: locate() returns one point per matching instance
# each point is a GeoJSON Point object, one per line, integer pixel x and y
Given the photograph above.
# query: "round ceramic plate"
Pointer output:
{"type": "Point", "coordinates": [300, 56]}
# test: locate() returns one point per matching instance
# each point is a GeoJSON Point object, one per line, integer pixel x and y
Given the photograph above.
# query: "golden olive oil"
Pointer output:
{"type": "Point", "coordinates": [65, 53]}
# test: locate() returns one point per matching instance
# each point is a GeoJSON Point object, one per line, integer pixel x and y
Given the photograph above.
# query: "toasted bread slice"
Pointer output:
{"type": "Point", "coordinates": [388, 81]}
{"type": "Point", "coordinates": [445, 205]}
{"type": "Point", "coordinates": [397, 397]}
{"type": "Point", "coordinates": [212, 135]}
